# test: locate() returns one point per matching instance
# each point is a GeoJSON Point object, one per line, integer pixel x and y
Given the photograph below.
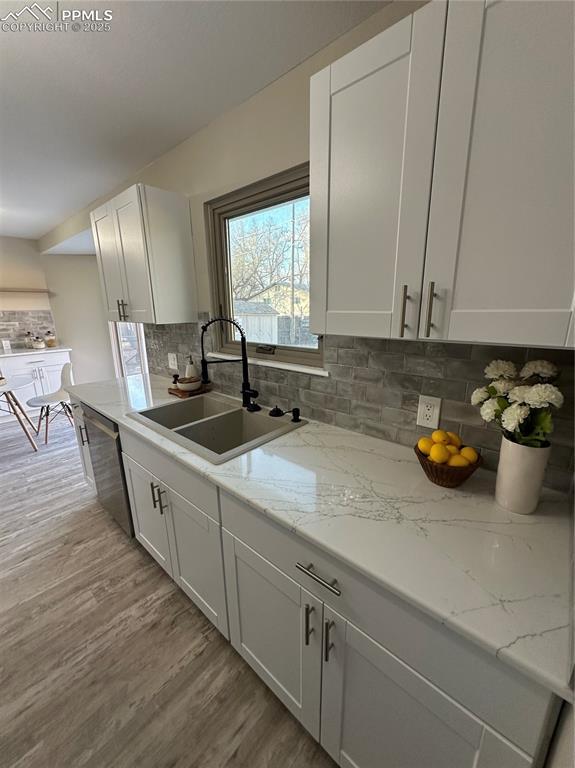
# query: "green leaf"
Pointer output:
{"type": "Point", "coordinates": [542, 421]}
{"type": "Point", "coordinates": [491, 391]}
{"type": "Point", "coordinates": [503, 403]}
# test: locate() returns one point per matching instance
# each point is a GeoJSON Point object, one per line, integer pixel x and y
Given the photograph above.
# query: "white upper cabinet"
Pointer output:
{"type": "Point", "coordinates": [500, 246]}
{"type": "Point", "coordinates": [144, 248]}
{"type": "Point", "coordinates": [442, 178]}
{"type": "Point", "coordinates": [373, 117]}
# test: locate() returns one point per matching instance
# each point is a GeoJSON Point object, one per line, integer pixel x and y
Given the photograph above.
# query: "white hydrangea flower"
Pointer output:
{"type": "Point", "coordinates": [503, 386]}
{"type": "Point", "coordinates": [520, 394]}
{"type": "Point", "coordinates": [479, 395]}
{"type": "Point", "coordinates": [489, 409]}
{"type": "Point", "coordinates": [500, 369]}
{"type": "Point", "coordinates": [543, 395]}
{"type": "Point", "coordinates": [513, 416]}
{"type": "Point", "coordinates": [542, 368]}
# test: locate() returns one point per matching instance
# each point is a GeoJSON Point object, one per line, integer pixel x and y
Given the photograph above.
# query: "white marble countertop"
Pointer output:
{"type": "Point", "coordinates": [501, 580]}
{"type": "Point", "coordinates": [26, 351]}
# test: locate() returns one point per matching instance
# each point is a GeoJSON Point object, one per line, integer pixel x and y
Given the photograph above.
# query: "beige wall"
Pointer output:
{"type": "Point", "coordinates": [20, 267]}
{"type": "Point", "coordinates": [264, 135]}
{"type": "Point", "coordinates": [79, 314]}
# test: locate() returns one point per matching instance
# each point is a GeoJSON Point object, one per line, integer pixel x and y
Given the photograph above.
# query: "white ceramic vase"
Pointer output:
{"type": "Point", "coordinates": [520, 476]}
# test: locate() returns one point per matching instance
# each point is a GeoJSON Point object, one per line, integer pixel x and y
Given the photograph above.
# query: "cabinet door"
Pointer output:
{"type": "Point", "coordinates": [500, 245]}
{"type": "Point", "coordinates": [108, 258]}
{"type": "Point", "coordinates": [50, 377]}
{"type": "Point", "coordinates": [197, 560]}
{"type": "Point", "coordinates": [83, 439]}
{"type": "Point", "coordinates": [148, 512]}
{"type": "Point", "coordinates": [372, 134]}
{"type": "Point", "coordinates": [378, 711]}
{"type": "Point", "coordinates": [276, 627]}
{"type": "Point", "coordinates": [131, 244]}
{"type": "Point", "coordinates": [34, 389]}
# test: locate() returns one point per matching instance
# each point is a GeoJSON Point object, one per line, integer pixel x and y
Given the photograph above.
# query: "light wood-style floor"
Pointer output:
{"type": "Point", "coordinates": [104, 662]}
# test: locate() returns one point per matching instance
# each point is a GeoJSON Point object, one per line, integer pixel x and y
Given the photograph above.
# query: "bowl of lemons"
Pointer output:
{"type": "Point", "coordinates": [445, 460]}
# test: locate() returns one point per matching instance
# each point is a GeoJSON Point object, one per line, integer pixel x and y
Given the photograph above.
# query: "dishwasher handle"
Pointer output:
{"type": "Point", "coordinates": [102, 427]}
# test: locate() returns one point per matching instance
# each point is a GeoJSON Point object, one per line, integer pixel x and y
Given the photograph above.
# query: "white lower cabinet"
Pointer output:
{"type": "Point", "coordinates": [365, 706]}
{"type": "Point", "coordinates": [184, 540]}
{"type": "Point", "coordinates": [197, 558]}
{"type": "Point", "coordinates": [148, 512]}
{"type": "Point", "coordinates": [378, 711]}
{"type": "Point", "coordinates": [276, 626]}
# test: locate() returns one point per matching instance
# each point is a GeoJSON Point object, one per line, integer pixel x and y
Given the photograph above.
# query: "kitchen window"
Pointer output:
{"type": "Point", "coordinates": [129, 349]}
{"type": "Point", "coordinates": [259, 244]}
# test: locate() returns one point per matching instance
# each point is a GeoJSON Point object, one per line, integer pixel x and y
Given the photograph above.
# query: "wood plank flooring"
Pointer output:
{"type": "Point", "coordinates": [104, 662]}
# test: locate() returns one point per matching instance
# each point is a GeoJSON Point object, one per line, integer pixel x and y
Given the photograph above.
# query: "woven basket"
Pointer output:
{"type": "Point", "coordinates": [442, 474]}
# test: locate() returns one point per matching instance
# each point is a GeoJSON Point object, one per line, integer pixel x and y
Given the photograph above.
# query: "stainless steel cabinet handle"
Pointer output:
{"type": "Point", "coordinates": [123, 306]}
{"type": "Point", "coordinates": [330, 585]}
{"type": "Point", "coordinates": [405, 297]}
{"type": "Point", "coordinates": [41, 372]}
{"type": "Point", "coordinates": [160, 491]}
{"type": "Point", "coordinates": [119, 309]}
{"type": "Point", "coordinates": [153, 491]}
{"type": "Point", "coordinates": [327, 644]}
{"type": "Point", "coordinates": [430, 296]}
{"type": "Point", "coordinates": [309, 609]}
{"type": "Point", "coordinates": [83, 431]}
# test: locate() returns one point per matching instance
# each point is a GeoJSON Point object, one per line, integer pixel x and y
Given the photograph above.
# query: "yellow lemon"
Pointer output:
{"type": "Point", "coordinates": [440, 436]}
{"type": "Point", "coordinates": [453, 449]}
{"type": "Point", "coordinates": [470, 454]}
{"type": "Point", "coordinates": [454, 439]}
{"type": "Point", "coordinates": [457, 460]}
{"type": "Point", "coordinates": [439, 454]}
{"type": "Point", "coordinates": [425, 444]}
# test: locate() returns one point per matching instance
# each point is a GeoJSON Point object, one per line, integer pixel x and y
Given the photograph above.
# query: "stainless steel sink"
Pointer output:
{"type": "Point", "coordinates": [215, 426]}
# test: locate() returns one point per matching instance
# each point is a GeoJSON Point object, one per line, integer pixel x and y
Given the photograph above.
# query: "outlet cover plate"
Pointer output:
{"type": "Point", "coordinates": [172, 361]}
{"type": "Point", "coordinates": [428, 411]}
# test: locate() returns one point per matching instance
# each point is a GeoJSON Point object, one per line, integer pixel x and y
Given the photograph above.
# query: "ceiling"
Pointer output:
{"type": "Point", "coordinates": [81, 111]}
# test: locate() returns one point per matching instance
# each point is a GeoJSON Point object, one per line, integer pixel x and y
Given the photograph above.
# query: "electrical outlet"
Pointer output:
{"type": "Point", "coordinates": [172, 361]}
{"type": "Point", "coordinates": [428, 411]}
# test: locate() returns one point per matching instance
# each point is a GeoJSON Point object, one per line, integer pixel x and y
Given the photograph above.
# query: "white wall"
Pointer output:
{"type": "Point", "coordinates": [79, 314]}
{"type": "Point", "coordinates": [20, 267]}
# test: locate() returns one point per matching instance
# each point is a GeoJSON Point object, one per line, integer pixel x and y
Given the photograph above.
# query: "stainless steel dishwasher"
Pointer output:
{"type": "Point", "coordinates": [104, 443]}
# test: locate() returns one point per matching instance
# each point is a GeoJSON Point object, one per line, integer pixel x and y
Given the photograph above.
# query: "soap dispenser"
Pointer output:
{"type": "Point", "coordinates": [191, 370]}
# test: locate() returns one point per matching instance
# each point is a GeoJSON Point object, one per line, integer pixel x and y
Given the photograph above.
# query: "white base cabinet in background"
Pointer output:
{"type": "Point", "coordinates": [43, 368]}
{"type": "Point", "coordinates": [275, 625]}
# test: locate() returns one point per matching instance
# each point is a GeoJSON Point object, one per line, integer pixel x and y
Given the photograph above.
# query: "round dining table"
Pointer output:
{"type": "Point", "coordinates": [8, 395]}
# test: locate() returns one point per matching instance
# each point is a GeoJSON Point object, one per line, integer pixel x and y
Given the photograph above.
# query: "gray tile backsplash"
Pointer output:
{"type": "Point", "coordinates": [374, 386]}
{"type": "Point", "coordinates": [15, 323]}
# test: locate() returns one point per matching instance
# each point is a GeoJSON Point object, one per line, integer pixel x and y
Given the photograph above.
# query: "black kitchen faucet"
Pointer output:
{"type": "Point", "coordinates": [248, 394]}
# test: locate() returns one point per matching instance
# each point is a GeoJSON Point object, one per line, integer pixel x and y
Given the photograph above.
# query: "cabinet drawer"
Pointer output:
{"type": "Point", "coordinates": [493, 691]}
{"type": "Point", "coordinates": [42, 360]}
{"type": "Point", "coordinates": [201, 493]}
